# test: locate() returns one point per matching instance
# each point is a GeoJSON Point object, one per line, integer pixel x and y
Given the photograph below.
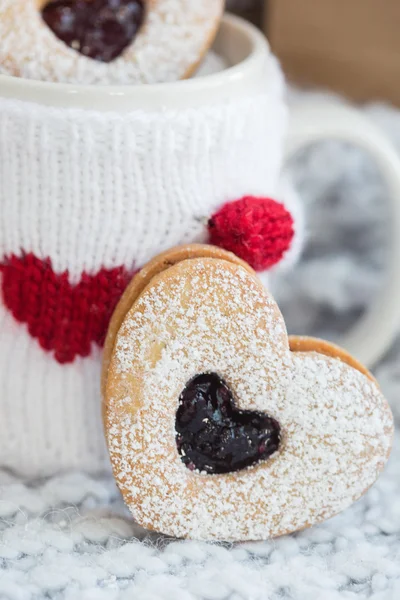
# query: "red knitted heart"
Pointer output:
{"type": "Point", "coordinates": [65, 318]}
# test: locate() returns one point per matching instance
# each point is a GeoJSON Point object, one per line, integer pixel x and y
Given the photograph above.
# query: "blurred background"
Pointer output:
{"type": "Point", "coordinates": [349, 51]}
{"type": "Point", "coordinates": [352, 47]}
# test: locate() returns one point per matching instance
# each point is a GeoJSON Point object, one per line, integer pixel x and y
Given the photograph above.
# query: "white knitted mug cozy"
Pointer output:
{"type": "Point", "coordinates": [87, 197]}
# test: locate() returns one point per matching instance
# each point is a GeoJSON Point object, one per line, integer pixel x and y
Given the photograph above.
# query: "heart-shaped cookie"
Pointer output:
{"type": "Point", "coordinates": [106, 41]}
{"type": "Point", "coordinates": [326, 423]}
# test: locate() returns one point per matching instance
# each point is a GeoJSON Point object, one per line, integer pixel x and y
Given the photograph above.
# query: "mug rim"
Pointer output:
{"type": "Point", "coordinates": [233, 80]}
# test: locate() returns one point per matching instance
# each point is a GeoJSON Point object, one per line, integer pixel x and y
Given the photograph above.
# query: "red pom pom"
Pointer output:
{"type": "Point", "coordinates": [258, 230]}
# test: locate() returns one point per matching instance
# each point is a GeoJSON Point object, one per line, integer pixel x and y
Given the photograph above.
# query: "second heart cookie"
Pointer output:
{"type": "Point", "coordinates": [106, 41]}
{"type": "Point", "coordinates": [216, 428]}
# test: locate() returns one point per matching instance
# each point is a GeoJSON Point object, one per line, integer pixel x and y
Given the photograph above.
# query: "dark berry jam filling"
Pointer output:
{"type": "Point", "coordinates": [215, 437]}
{"type": "Point", "coordinates": [99, 29]}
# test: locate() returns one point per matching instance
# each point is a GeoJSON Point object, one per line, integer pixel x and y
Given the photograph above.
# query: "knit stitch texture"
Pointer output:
{"type": "Point", "coordinates": [87, 198]}
{"type": "Point", "coordinates": [70, 537]}
{"type": "Point", "coordinates": [64, 318]}
{"type": "Point", "coordinates": [258, 230]}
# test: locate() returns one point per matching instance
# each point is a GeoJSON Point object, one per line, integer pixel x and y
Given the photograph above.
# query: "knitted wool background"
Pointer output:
{"type": "Point", "coordinates": [86, 199]}
{"type": "Point", "coordinates": [70, 537]}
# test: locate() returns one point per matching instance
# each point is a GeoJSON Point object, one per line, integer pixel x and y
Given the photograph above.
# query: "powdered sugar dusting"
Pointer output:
{"type": "Point", "coordinates": [208, 315]}
{"type": "Point", "coordinates": [175, 35]}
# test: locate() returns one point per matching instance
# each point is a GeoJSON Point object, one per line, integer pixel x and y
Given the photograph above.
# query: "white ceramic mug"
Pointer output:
{"type": "Point", "coordinates": [375, 330]}
{"type": "Point", "coordinates": [94, 181]}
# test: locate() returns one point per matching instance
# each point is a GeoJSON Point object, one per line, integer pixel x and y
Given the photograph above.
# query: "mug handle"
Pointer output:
{"type": "Point", "coordinates": [373, 334]}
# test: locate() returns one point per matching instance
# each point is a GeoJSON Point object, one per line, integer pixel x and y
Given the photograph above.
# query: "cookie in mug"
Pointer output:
{"type": "Point", "coordinates": [219, 426]}
{"type": "Point", "coordinates": [106, 41]}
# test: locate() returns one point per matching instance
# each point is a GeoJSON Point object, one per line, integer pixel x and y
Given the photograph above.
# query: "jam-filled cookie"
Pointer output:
{"type": "Point", "coordinates": [106, 41]}
{"type": "Point", "coordinates": [217, 426]}
{"type": "Point", "coordinates": [159, 263]}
